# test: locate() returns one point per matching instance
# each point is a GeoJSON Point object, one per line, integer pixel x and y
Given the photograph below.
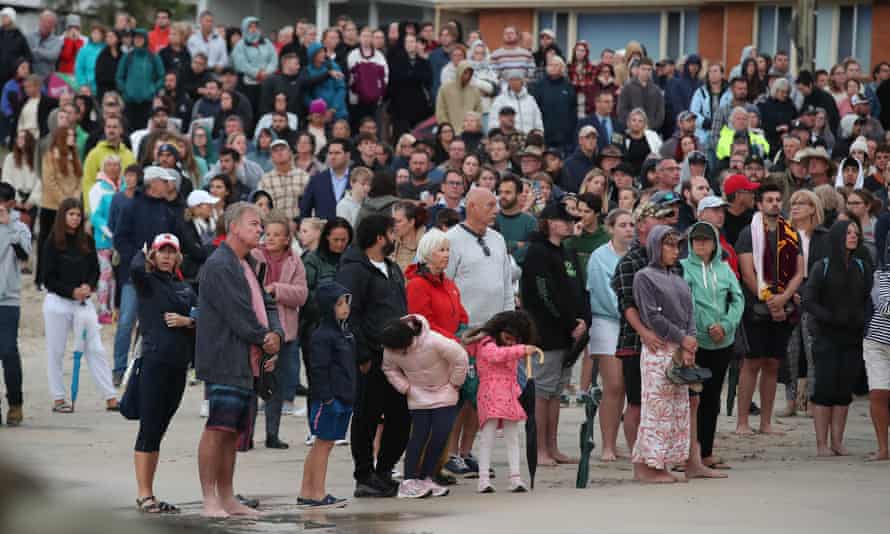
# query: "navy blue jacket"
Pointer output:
{"type": "Point", "coordinates": [602, 137]}
{"type": "Point", "coordinates": [319, 197]}
{"type": "Point", "coordinates": [558, 98]}
{"type": "Point", "coordinates": [679, 90]}
{"type": "Point", "coordinates": [332, 368]}
{"type": "Point", "coordinates": [376, 300]}
{"type": "Point", "coordinates": [145, 218]}
{"type": "Point", "coordinates": [160, 293]}
{"type": "Point", "coordinates": [576, 168]}
{"type": "Point", "coordinates": [438, 58]}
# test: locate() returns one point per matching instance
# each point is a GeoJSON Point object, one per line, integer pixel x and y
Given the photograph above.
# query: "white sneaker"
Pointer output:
{"type": "Point", "coordinates": [517, 485]}
{"type": "Point", "coordinates": [414, 489]}
{"type": "Point", "coordinates": [310, 440]}
{"type": "Point", "coordinates": [300, 412]}
{"type": "Point", "coordinates": [205, 408]}
{"type": "Point", "coordinates": [438, 491]}
{"type": "Point", "coordinates": [341, 442]}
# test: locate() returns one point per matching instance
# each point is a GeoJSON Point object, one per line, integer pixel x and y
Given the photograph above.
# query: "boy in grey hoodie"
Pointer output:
{"type": "Point", "coordinates": [15, 246]}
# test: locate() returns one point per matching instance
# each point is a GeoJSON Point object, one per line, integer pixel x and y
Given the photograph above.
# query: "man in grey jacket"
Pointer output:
{"type": "Point", "coordinates": [238, 322]}
{"type": "Point", "coordinates": [45, 45]}
{"type": "Point", "coordinates": [641, 92]}
{"type": "Point", "coordinates": [15, 246]}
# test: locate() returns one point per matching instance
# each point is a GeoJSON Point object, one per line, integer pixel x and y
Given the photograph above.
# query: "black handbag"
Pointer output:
{"type": "Point", "coordinates": [571, 354]}
{"type": "Point", "coordinates": [266, 384]}
{"type": "Point", "coordinates": [129, 404]}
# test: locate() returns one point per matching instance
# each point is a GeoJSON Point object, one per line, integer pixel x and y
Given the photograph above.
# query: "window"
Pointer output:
{"type": "Point", "coordinates": [774, 29]}
{"type": "Point", "coordinates": [682, 33]}
{"type": "Point", "coordinates": [559, 23]}
{"type": "Point", "coordinates": [854, 33]}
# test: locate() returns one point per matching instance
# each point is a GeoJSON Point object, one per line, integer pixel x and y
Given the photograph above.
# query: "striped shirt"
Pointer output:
{"type": "Point", "coordinates": [504, 59]}
{"type": "Point", "coordinates": [879, 327]}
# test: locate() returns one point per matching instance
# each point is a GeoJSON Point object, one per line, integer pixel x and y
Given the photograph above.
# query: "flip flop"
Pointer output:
{"type": "Point", "coordinates": [63, 407]}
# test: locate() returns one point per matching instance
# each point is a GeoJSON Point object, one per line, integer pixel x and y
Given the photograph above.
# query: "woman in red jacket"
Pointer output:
{"type": "Point", "coordinates": [430, 292]}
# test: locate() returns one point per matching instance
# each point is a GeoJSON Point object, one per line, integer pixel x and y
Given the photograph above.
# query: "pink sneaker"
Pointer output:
{"type": "Point", "coordinates": [438, 491]}
{"type": "Point", "coordinates": [413, 489]}
{"type": "Point", "coordinates": [105, 318]}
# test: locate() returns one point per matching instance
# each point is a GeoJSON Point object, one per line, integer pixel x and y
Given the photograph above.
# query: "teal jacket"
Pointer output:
{"type": "Point", "coordinates": [716, 294]}
{"type": "Point", "coordinates": [85, 65]}
{"type": "Point", "coordinates": [140, 75]}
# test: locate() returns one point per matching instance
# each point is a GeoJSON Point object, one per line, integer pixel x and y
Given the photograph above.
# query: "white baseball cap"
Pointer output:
{"type": "Point", "coordinates": [164, 240]}
{"type": "Point", "coordinates": [710, 202]}
{"type": "Point", "coordinates": [157, 173]}
{"type": "Point", "coordinates": [199, 196]}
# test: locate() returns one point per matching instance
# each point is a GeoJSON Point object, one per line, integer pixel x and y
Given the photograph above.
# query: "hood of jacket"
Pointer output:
{"type": "Point", "coordinates": [327, 295]}
{"type": "Point", "coordinates": [692, 59]}
{"type": "Point", "coordinates": [654, 241]}
{"type": "Point", "coordinates": [485, 60]}
{"type": "Point", "coordinates": [460, 70]}
{"type": "Point", "coordinates": [839, 179]}
{"type": "Point", "coordinates": [746, 53]}
{"type": "Point", "coordinates": [144, 34]}
{"type": "Point", "coordinates": [837, 243]}
{"type": "Point", "coordinates": [250, 37]}
{"type": "Point", "coordinates": [715, 235]}
{"type": "Point", "coordinates": [310, 54]}
{"type": "Point", "coordinates": [380, 203]}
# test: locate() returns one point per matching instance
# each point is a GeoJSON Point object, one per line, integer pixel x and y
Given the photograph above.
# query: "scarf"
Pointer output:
{"type": "Point", "coordinates": [259, 308]}
{"type": "Point", "coordinates": [774, 268]}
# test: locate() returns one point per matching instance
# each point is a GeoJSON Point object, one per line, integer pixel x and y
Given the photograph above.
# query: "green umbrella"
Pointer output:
{"type": "Point", "coordinates": [591, 402]}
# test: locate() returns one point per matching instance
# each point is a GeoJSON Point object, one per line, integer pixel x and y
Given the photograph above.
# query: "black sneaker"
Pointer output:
{"type": "Point", "coordinates": [372, 488]}
{"type": "Point", "coordinates": [445, 479]}
{"type": "Point", "coordinates": [385, 481]}
{"type": "Point", "coordinates": [250, 503]}
{"type": "Point", "coordinates": [275, 443]}
{"type": "Point", "coordinates": [329, 501]}
{"type": "Point", "coordinates": [302, 391]}
{"type": "Point", "coordinates": [755, 410]}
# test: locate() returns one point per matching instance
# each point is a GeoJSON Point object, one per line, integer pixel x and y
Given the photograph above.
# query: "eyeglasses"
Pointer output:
{"type": "Point", "coordinates": [456, 184]}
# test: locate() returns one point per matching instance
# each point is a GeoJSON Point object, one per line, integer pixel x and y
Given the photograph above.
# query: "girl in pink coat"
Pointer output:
{"type": "Point", "coordinates": [498, 346]}
{"type": "Point", "coordinates": [429, 369]}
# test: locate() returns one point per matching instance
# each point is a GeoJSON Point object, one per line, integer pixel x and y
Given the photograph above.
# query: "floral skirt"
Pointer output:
{"type": "Point", "coordinates": [663, 436]}
{"type": "Point", "coordinates": [105, 291]}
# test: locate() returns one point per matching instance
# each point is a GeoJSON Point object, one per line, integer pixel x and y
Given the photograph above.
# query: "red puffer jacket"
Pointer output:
{"type": "Point", "coordinates": [437, 298]}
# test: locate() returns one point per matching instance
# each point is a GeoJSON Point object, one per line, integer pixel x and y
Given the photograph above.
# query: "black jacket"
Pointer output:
{"type": "Point", "coordinates": [332, 369]}
{"type": "Point", "coordinates": [13, 46]}
{"type": "Point", "coordinates": [106, 70]}
{"type": "Point", "coordinates": [293, 86]}
{"type": "Point", "coordinates": [376, 300]}
{"type": "Point", "coordinates": [838, 290]}
{"type": "Point", "coordinates": [194, 252]}
{"type": "Point", "coordinates": [175, 61]}
{"type": "Point", "coordinates": [65, 270]}
{"type": "Point", "coordinates": [821, 99]}
{"type": "Point", "coordinates": [775, 113]}
{"type": "Point", "coordinates": [552, 291]}
{"type": "Point", "coordinates": [146, 218]}
{"type": "Point", "coordinates": [409, 86]}
{"type": "Point", "coordinates": [558, 98]}
{"type": "Point", "coordinates": [191, 82]}
{"type": "Point", "coordinates": [161, 293]}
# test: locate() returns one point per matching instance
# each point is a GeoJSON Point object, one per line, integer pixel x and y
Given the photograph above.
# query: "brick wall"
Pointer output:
{"type": "Point", "coordinates": [739, 31]}
{"type": "Point", "coordinates": [492, 22]}
{"type": "Point", "coordinates": [710, 33]}
{"type": "Point", "coordinates": [880, 32]}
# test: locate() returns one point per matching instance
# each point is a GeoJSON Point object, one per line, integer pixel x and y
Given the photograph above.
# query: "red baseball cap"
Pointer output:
{"type": "Point", "coordinates": [739, 182]}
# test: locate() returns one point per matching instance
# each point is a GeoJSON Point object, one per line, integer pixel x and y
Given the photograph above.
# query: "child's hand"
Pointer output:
{"type": "Point", "coordinates": [531, 350]}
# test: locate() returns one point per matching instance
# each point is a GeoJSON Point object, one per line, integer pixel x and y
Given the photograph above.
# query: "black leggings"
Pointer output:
{"type": "Point", "coordinates": [160, 391]}
{"type": "Point", "coordinates": [837, 369]}
{"type": "Point", "coordinates": [709, 399]}
{"type": "Point", "coordinates": [429, 434]}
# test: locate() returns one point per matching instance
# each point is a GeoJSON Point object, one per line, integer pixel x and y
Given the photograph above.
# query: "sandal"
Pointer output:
{"type": "Point", "coordinates": [63, 406]}
{"type": "Point", "coordinates": [150, 505]}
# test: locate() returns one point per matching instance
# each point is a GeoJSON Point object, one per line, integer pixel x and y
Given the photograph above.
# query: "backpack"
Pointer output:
{"type": "Point", "coordinates": [857, 261]}
{"type": "Point", "coordinates": [367, 82]}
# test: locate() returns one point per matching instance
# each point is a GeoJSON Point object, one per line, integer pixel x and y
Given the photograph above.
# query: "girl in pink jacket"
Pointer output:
{"type": "Point", "coordinates": [498, 346]}
{"type": "Point", "coordinates": [429, 369]}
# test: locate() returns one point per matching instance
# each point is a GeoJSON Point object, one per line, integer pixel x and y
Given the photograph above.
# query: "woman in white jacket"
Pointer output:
{"type": "Point", "coordinates": [516, 96]}
{"type": "Point", "coordinates": [484, 78]}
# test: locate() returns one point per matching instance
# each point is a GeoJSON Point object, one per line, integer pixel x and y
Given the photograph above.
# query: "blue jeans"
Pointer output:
{"type": "Point", "coordinates": [125, 323]}
{"type": "Point", "coordinates": [9, 353]}
{"type": "Point", "coordinates": [289, 366]}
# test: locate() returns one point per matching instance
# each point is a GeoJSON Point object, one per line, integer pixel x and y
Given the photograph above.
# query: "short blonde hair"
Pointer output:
{"type": "Point", "coordinates": [829, 197]}
{"type": "Point", "coordinates": [814, 200]}
{"type": "Point", "coordinates": [431, 241]}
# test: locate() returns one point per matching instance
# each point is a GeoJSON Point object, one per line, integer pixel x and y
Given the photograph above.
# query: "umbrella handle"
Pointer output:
{"type": "Point", "coordinates": [528, 362]}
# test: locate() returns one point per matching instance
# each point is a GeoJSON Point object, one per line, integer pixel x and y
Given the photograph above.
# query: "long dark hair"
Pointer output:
{"type": "Point", "coordinates": [330, 226]}
{"type": "Point", "coordinates": [60, 227]}
{"type": "Point", "coordinates": [413, 211]}
{"type": "Point", "coordinates": [517, 323]}
{"type": "Point", "coordinates": [24, 156]}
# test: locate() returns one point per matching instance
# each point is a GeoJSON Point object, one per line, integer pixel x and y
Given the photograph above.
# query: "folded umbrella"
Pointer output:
{"type": "Point", "coordinates": [591, 403]}
{"type": "Point", "coordinates": [527, 400]}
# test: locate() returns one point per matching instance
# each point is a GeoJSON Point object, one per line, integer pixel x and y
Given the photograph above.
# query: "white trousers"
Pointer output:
{"type": "Point", "coordinates": [60, 315]}
{"type": "Point", "coordinates": [486, 444]}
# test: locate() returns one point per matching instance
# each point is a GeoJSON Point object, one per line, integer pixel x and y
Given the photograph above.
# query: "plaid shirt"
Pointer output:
{"type": "Point", "coordinates": [622, 283]}
{"type": "Point", "coordinates": [285, 189]}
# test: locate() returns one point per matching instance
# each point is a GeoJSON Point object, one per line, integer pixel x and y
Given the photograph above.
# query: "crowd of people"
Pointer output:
{"type": "Point", "coordinates": [420, 220]}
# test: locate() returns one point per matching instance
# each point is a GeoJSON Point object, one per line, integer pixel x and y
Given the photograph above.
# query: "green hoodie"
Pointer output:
{"type": "Point", "coordinates": [140, 74]}
{"type": "Point", "coordinates": [716, 294]}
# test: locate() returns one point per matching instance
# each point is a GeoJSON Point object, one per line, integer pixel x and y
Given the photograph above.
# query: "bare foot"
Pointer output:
{"type": "Point", "coordinates": [840, 450]}
{"type": "Point", "coordinates": [608, 456]}
{"type": "Point", "coordinates": [744, 430]}
{"type": "Point", "coordinates": [212, 509]}
{"type": "Point", "coordinates": [878, 456]}
{"type": "Point", "coordinates": [702, 471]}
{"type": "Point", "coordinates": [546, 461]}
{"type": "Point", "coordinates": [767, 430]}
{"type": "Point", "coordinates": [824, 452]}
{"type": "Point", "coordinates": [563, 459]}
{"type": "Point", "coordinates": [233, 507]}
{"type": "Point", "coordinates": [654, 476]}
